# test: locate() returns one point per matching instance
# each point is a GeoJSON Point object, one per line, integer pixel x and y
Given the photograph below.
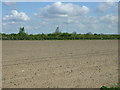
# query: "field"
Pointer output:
{"type": "Point", "coordinates": [59, 64]}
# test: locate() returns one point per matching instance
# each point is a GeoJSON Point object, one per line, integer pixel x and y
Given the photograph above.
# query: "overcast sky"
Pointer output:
{"type": "Point", "coordinates": [43, 17]}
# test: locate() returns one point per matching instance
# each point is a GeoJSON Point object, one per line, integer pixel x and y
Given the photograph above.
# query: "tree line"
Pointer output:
{"type": "Point", "coordinates": [57, 35]}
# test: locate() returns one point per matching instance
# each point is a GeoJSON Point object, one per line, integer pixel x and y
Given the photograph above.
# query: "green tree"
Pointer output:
{"type": "Point", "coordinates": [57, 31]}
{"type": "Point", "coordinates": [21, 31]}
{"type": "Point", "coordinates": [22, 34]}
{"type": "Point", "coordinates": [95, 33]}
{"type": "Point", "coordinates": [89, 33]}
{"type": "Point", "coordinates": [74, 33]}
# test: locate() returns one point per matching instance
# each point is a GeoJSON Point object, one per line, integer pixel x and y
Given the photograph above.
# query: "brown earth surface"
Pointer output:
{"type": "Point", "coordinates": [59, 64]}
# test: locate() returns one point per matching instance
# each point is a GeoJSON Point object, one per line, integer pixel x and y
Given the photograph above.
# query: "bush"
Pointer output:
{"type": "Point", "coordinates": [111, 88]}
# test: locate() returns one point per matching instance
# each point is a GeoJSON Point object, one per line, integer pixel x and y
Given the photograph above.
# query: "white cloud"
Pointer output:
{"type": "Point", "coordinates": [9, 3]}
{"type": "Point", "coordinates": [15, 16]}
{"type": "Point", "coordinates": [110, 2]}
{"type": "Point", "coordinates": [59, 9]}
{"type": "Point", "coordinates": [83, 24]}
{"type": "Point", "coordinates": [68, 16]}
{"type": "Point", "coordinates": [105, 6]}
{"type": "Point", "coordinates": [109, 19]}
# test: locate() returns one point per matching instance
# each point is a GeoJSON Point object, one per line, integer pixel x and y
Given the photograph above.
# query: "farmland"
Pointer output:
{"type": "Point", "coordinates": [59, 63]}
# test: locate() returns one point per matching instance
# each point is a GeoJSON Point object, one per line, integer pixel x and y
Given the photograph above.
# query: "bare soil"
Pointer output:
{"type": "Point", "coordinates": [59, 63]}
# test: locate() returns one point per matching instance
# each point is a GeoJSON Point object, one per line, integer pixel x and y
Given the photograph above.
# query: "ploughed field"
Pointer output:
{"type": "Point", "coordinates": [59, 63]}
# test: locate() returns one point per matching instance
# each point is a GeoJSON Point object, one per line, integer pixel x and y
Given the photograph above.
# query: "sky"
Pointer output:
{"type": "Point", "coordinates": [44, 17]}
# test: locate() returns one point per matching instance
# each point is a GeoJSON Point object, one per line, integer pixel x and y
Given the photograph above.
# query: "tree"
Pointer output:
{"type": "Point", "coordinates": [21, 31]}
{"type": "Point", "coordinates": [89, 33]}
{"type": "Point", "coordinates": [95, 33]}
{"type": "Point", "coordinates": [22, 35]}
{"type": "Point", "coordinates": [57, 31]}
{"type": "Point", "coordinates": [101, 34]}
{"type": "Point", "coordinates": [74, 33]}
